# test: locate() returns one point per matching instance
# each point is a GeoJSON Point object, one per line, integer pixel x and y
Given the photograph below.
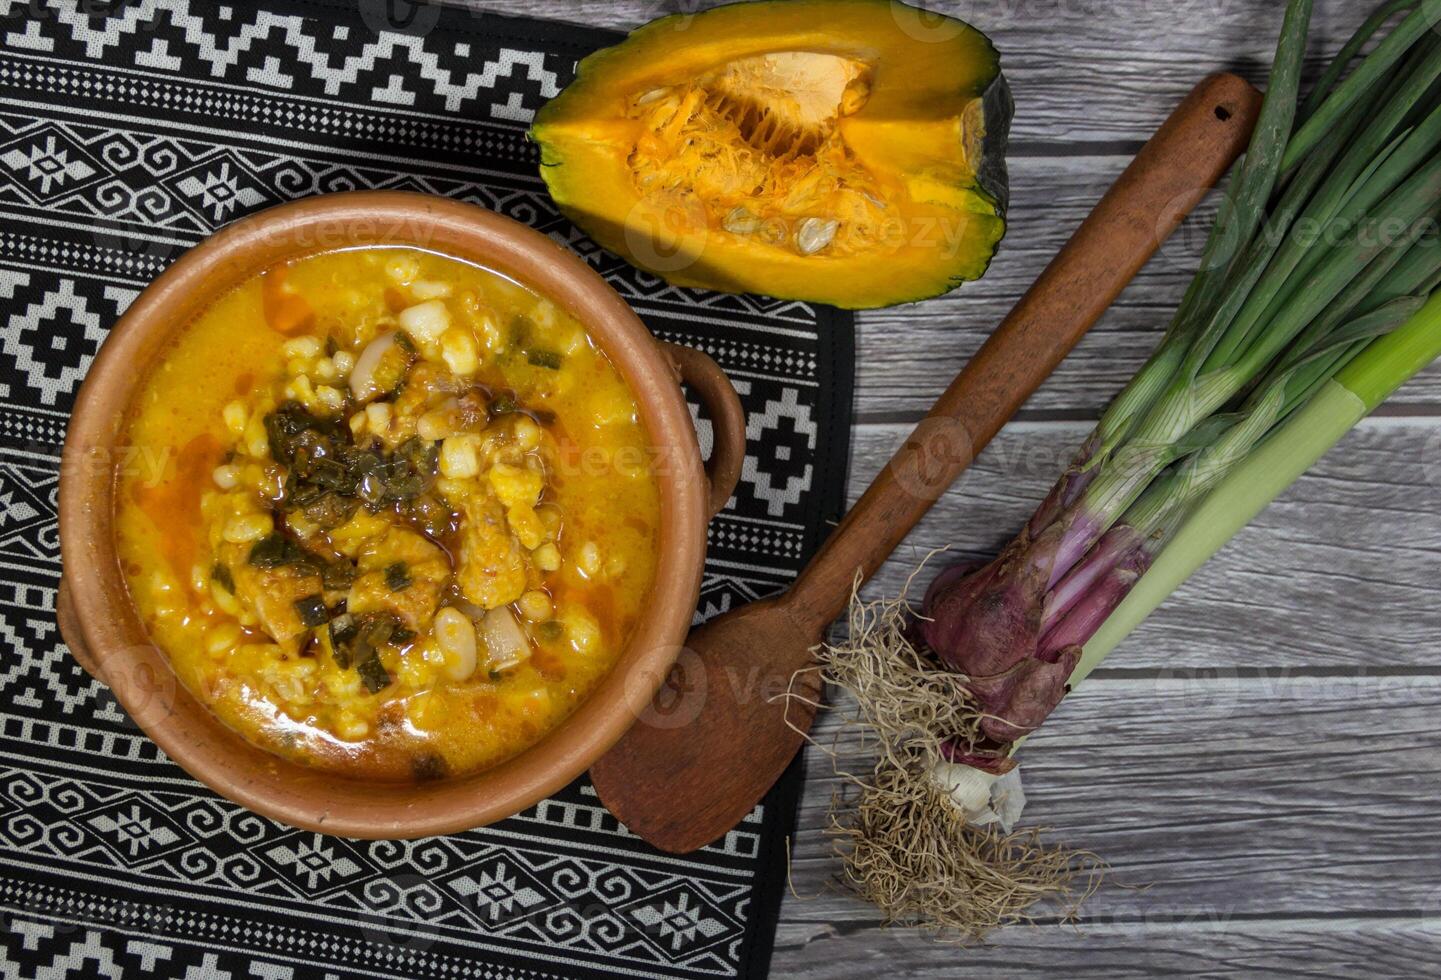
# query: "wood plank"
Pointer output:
{"type": "Point", "coordinates": [1224, 802]}
{"type": "Point", "coordinates": [810, 949]}
{"type": "Point", "coordinates": [906, 355]}
{"type": "Point", "coordinates": [1340, 573]}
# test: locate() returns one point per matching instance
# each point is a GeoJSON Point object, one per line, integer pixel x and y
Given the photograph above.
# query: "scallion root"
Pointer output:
{"type": "Point", "coordinates": [904, 844]}
{"type": "Point", "coordinates": [906, 848]}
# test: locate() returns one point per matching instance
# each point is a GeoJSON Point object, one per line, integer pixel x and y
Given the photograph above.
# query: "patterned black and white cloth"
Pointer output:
{"type": "Point", "coordinates": [128, 131]}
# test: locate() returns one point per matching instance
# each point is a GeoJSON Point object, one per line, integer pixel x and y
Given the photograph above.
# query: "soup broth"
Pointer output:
{"type": "Point", "coordinates": [393, 513]}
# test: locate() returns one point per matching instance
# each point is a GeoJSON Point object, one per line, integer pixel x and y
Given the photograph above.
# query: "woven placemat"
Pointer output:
{"type": "Point", "coordinates": [127, 133]}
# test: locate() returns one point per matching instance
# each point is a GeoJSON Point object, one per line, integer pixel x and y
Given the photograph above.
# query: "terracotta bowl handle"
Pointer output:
{"type": "Point", "coordinates": [69, 621]}
{"type": "Point", "coordinates": [728, 419]}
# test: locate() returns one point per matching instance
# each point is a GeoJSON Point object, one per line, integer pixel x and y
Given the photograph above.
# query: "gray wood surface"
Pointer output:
{"type": "Point", "coordinates": [1259, 762]}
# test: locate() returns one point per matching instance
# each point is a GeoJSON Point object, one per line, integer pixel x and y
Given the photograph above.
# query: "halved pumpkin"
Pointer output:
{"type": "Point", "coordinates": [848, 152]}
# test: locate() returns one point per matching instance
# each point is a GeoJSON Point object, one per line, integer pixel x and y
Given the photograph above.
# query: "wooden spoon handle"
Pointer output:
{"type": "Point", "coordinates": [1170, 175]}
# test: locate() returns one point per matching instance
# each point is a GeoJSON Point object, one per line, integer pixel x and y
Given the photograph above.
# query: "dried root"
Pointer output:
{"type": "Point", "coordinates": [904, 844]}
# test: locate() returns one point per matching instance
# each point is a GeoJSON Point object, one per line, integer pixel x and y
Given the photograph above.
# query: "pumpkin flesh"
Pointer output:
{"type": "Point", "coordinates": [756, 150]}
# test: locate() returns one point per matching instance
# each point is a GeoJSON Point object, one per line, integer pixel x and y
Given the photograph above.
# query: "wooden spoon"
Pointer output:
{"type": "Point", "coordinates": [720, 731]}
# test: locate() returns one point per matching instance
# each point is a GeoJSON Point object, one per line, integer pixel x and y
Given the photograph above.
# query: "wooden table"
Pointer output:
{"type": "Point", "coordinates": [1264, 753]}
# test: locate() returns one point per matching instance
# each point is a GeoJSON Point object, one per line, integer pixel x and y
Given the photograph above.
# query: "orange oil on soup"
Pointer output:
{"type": "Point", "coordinates": [395, 514]}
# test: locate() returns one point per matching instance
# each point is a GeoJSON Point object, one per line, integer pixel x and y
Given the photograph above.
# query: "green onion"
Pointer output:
{"type": "Point", "coordinates": [1347, 54]}
{"type": "Point", "coordinates": [549, 359]}
{"type": "Point", "coordinates": [373, 673]}
{"type": "Point", "coordinates": [1240, 215]}
{"type": "Point", "coordinates": [1321, 278]}
{"type": "Point", "coordinates": [1314, 301]}
{"type": "Point", "coordinates": [222, 577]}
{"type": "Point", "coordinates": [397, 577]}
{"type": "Point", "coordinates": [1413, 28]}
{"type": "Point", "coordinates": [311, 610]}
{"type": "Point", "coordinates": [1344, 401]}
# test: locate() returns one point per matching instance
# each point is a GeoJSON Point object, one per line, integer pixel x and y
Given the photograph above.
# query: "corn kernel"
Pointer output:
{"type": "Point", "coordinates": [527, 433]}
{"type": "Point", "coordinates": [587, 559]}
{"type": "Point", "coordinates": [224, 601]}
{"type": "Point", "coordinates": [459, 351]}
{"type": "Point", "coordinates": [459, 457]}
{"type": "Point", "coordinates": [516, 484]}
{"type": "Point", "coordinates": [222, 639]}
{"type": "Point", "coordinates": [226, 477]}
{"type": "Point", "coordinates": [491, 337]}
{"type": "Point", "coordinates": [344, 361]}
{"type": "Point", "coordinates": [325, 370]}
{"type": "Point", "coordinates": [302, 347]}
{"type": "Point", "coordinates": [425, 323]}
{"type": "Point", "coordinates": [610, 408]}
{"type": "Point", "coordinates": [418, 711]}
{"type": "Point", "coordinates": [235, 418]}
{"type": "Point", "coordinates": [257, 442]}
{"type": "Point", "coordinates": [434, 426]}
{"type": "Point", "coordinates": [551, 517]}
{"type": "Point", "coordinates": [300, 389]}
{"type": "Point", "coordinates": [403, 269]}
{"type": "Point", "coordinates": [454, 491]}
{"type": "Point", "coordinates": [351, 728]}
{"type": "Point", "coordinates": [330, 398]}
{"type": "Point", "coordinates": [547, 557]}
{"type": "Point", "coordinates": [357, 423]}
{"type": "Point", "coordinates": [351, 536]}
{"type": "Point", "coordinates": [581, 629]}
{"type": "Point", "coordinates": [244, 528]}
{"type": "Point", "coordinates": [377, 417]}
{"type": "Point", "coordinates": [414, 673]}
{"type": "Point", "coordinates": [572, 339]}
{"type": "Point", "coordinates": [535, 606]}
{"type": "Point", "coordinates": [526, 526]}
{"type": "Point", "coordinates": [298, 367]}
{"type": "Point", "coordinates": [544, 315]}
{"type": "Point", "coordinates": [302, 525]}
{"type": "Point", "coordinates": [429, 289]}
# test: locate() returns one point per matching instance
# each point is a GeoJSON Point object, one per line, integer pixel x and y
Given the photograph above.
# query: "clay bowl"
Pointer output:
{"type": "Point", "coordinates": [101, 626]}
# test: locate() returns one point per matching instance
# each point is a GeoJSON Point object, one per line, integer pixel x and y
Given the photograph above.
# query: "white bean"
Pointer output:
{"type": "Point", "coordinates": [455, 635]}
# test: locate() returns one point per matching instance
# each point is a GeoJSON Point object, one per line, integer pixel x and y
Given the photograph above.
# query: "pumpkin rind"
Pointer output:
{"type": "Point", "coordinates": [705, 148]}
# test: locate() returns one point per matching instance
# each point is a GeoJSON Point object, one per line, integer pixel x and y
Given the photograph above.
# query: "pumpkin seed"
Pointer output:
{"type": "Point", "coordinates": [654, 95]}
{"type": "Point", "coordinates": [741, 222]}
{"type": "Point", "coordinates": [814, 234]}
{"type": "Point", "coordinates": [774, 231]}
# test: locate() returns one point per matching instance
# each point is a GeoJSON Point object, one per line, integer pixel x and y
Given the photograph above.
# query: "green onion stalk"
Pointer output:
{"type": "Point", "coordinates": [1313, 302]}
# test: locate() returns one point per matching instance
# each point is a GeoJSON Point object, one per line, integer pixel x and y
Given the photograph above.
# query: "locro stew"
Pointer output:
{"type": "Point", "coordinates": [394, 514]}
